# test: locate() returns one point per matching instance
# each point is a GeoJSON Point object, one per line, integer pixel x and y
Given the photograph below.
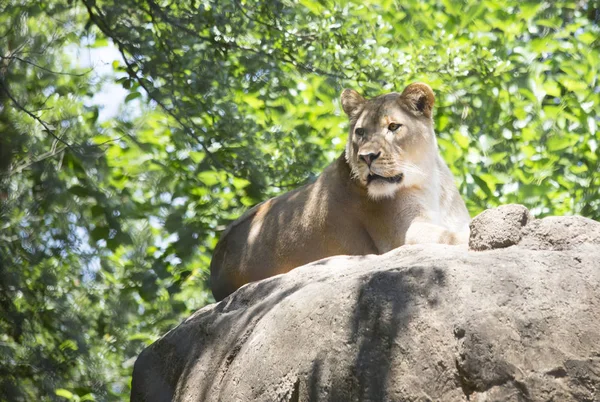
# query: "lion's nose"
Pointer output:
{"type": "Point", "coordinates": [369, 158]}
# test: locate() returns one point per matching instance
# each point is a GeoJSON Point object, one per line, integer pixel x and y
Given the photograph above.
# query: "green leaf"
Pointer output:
{"type": "Point", "coordinates": [142, 336]}
{"type": "Point", "coordinates": [132, 96]}
{"type": "Point", "coordinates": [100, 42]}
{"type": "Point", "coordinates": [461, 140]}
{"type": "Point", "coordinates": [68, 344]}
{"type": "Point", "coordinates": [560, 142]}
{"type": "Point", "coordinates": [239, 183]}
{"type": "Point", "coordinates": [483, 185]}
{"type": "Point", "coordinates": [552, 88]}
{"type": "Point", "coordinates": [64, 393]}
{"type": "Point", "coordinates": [588, 38]}
{"type": "Point", "coordinates": [209, 177]}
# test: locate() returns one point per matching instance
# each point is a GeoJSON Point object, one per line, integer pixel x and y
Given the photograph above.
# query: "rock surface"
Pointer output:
{"type": "Point", "coordinates": [519, 321]}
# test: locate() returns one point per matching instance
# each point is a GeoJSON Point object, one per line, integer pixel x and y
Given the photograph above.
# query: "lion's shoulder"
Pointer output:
{"type": "Point", "coordinates": [244, 218]}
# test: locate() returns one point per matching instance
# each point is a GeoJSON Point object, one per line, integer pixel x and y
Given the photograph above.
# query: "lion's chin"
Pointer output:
{"type": "Point", "coordinates": [380, 189]}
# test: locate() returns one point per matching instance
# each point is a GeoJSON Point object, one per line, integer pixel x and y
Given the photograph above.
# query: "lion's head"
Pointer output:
{"type": "Point", "coordinates": [391, 143]}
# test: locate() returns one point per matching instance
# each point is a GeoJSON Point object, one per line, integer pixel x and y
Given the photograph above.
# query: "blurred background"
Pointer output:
{"type": "Point", "coordinates": [132, 132]}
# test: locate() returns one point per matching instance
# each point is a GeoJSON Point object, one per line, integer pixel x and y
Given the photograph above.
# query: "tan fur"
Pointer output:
{"type": "Point", "coordinates": [342, 213]}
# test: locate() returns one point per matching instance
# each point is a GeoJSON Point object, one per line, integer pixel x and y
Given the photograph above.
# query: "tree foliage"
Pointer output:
{"type": "Point", "coordinates": [107, 227]}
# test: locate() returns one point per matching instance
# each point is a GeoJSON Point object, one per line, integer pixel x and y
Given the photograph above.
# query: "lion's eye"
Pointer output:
{"type": "Point", "coordinates": [394, 126]}
{"type": "Point", "coordinates": [359, 131]}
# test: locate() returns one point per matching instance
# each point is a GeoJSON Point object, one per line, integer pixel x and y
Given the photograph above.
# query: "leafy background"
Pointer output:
{"type": "Point", "coordinates": [107, 224]}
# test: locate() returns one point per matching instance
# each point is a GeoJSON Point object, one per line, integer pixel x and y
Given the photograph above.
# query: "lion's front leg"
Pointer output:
{"type": "Point", "coordinates": [423, 232]}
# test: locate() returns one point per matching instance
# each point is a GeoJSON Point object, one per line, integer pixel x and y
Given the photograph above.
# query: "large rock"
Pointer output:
{"type": "Point", "coordinates": [519, 321]}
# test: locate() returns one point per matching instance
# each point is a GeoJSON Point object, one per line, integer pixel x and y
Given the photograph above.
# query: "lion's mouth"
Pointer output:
{"type": "Point", "coordinates": [375, 177]}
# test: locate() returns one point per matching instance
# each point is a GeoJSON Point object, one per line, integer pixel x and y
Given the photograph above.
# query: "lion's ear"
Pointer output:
{"type": "Point", "coordinates": [351, 102]}
{"type": "Point", "coordinates": [420, 98]}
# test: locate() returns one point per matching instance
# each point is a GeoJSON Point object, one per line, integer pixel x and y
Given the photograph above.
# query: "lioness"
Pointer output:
{"type": "Point", "coordinates": [389, 188]}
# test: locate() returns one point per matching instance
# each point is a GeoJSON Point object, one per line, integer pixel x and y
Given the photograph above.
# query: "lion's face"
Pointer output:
{"type": "Point", "coordinates": [391, 143]}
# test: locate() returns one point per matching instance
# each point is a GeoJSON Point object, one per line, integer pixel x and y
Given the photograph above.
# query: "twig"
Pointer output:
{"type": "Point", "coordinates": [111, 140]}
{"type": "Point", "coordinates": [54, 151]}
{"type": "Point", "coordinates": [8, 31]}
{"type": "Point", "coordinates": [44, 68]}
{"type": "Point", "coordinates": [26, 164]}
{"type": "Point", "coordinates": [33, 116]}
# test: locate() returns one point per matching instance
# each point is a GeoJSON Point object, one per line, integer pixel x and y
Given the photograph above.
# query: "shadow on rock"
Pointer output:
{"type": "Point", "coordinates": [386, 304]}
